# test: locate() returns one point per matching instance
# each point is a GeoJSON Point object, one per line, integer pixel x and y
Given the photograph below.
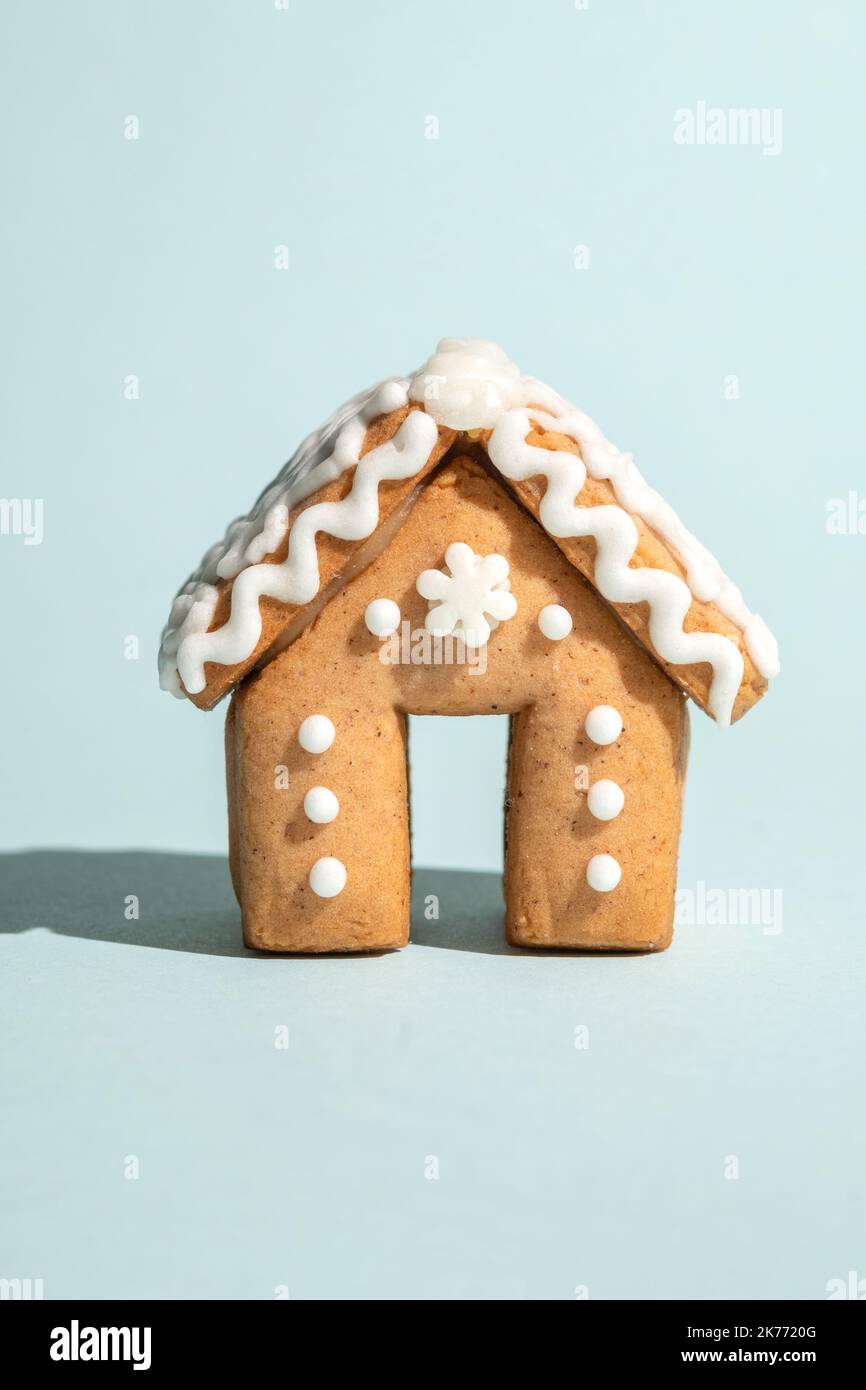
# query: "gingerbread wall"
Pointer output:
{"type": "Point", "coordinates": [336, 669]}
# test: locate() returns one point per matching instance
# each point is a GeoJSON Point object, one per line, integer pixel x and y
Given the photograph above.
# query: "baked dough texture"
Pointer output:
{"type": "Point", "coordinates": [468, 499]}
{"type": "Point", "coordinates": [547, 688]}
{"type": "Point", "coordinates": [335, 556]}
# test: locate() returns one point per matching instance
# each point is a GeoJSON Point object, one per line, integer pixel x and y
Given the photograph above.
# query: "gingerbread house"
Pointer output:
{"type": "Point", "coordinates": [461, 541]}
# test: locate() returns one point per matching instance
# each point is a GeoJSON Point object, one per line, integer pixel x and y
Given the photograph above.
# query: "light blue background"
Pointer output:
{"type": "Point", "coordinates": [262, 127]}
{"type": "Point", "coordinates": [306, 127]}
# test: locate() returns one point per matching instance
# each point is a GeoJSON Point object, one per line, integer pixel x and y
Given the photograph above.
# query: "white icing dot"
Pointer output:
{"type": "Point", "coordinates": [316, 733]}
{"type": "Point", "coordinates": [555, 622]}
{"type": "Point", "coordinates": [606, 799]}
{"type": "Point", "coordinates": [321, 806]}
{"type": "Point", "coordinates": [382, 617]}
{"type": "Point", "coordinates": [328, 877]}
{"type": "Point", "coordinates": [603, 873]}
{"type": "Point", "coordinates": [604, 724]}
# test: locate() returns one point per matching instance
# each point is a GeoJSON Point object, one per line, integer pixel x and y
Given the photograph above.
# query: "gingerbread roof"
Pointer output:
{"type": "Point", "coordinates": [338, 500]}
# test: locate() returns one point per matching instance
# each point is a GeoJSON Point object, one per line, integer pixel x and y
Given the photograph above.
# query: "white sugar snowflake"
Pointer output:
{"type": "Point", "coordinates": [470, 601]}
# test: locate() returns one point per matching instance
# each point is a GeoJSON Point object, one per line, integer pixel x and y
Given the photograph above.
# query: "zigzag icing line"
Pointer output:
{"type": "Point", "coordinates": [616, 535]}
{"type": "Point", "coordinates": [296, 580]}
{"type": "Point", "coordinates": [324, 455]}
{"type": "Point", "coordinates": [705, 576]}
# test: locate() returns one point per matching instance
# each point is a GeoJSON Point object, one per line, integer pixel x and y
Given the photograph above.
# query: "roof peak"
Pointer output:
{"type": "Point", "coordinates": [467, 384]}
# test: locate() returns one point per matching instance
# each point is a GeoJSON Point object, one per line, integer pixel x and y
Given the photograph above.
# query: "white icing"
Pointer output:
{"type": "Point", "coordinates": [316, 734]}
{"type": "Point", "coordinates": [328, 877]}
{"type": "Point", "coordinates": [382, 617]}
{"type": "Point", "coordinates": [321, 806]}
{"type": "Point", "coordinates": [616, 534]}
{"type": "Point", "coordinates": [605, 799]}
{"type": "Point", "coordinates": [467, 384]}
{"type": "Point", "coordinates": [706, 579]}
{"type": "Point", "coordinates": [555, 622]}
{"type": "Point", "coordinates": [603, 724]}
{"type": "Point", "coordinates": [323, 456]}
{"type": "Point", "coordinates": [296, 580]}
{"type": "Point", "coordinates": [603, 873]}
{"type": "Point", "coordinates": [192, 612]}
{"type": "Point", "coordinates": [470, 601]}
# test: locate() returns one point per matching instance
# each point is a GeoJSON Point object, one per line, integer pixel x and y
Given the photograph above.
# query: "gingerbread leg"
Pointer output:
{"type": "Point", "coordinates": [576, 875]}
{"type": "Point", "coordinates": [307, 881]}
